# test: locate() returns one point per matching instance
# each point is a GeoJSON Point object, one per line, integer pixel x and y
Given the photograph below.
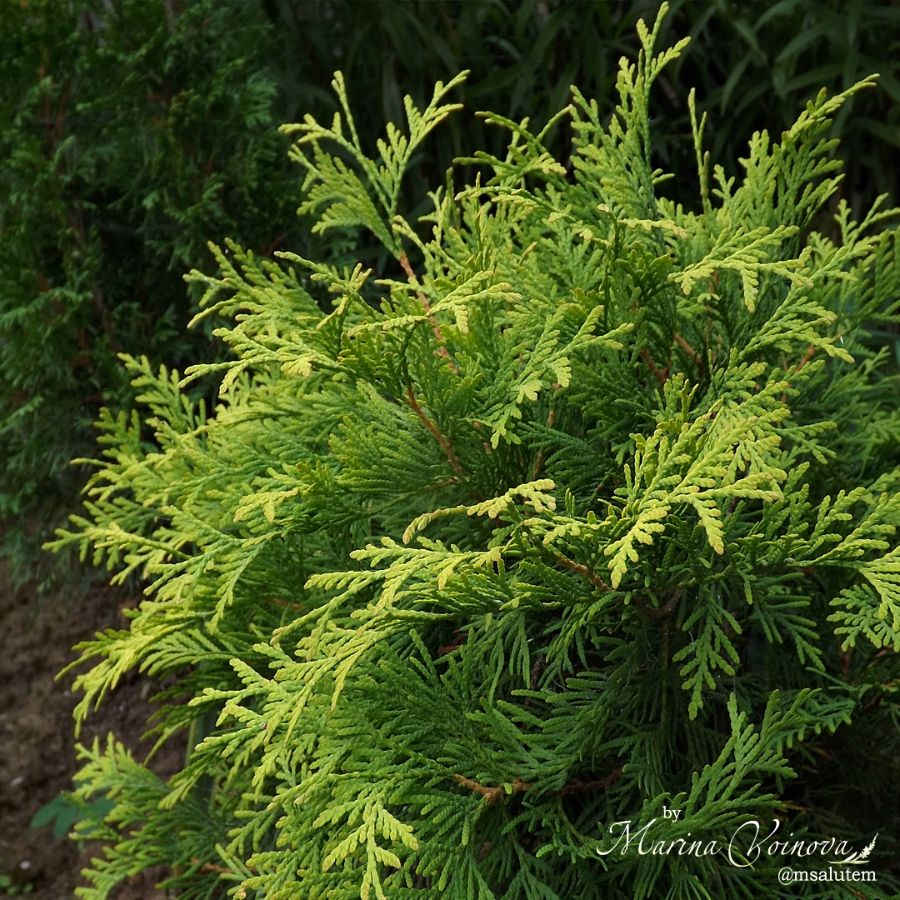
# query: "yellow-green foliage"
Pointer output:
{"type": "Point", "coordinates": [589, 507]}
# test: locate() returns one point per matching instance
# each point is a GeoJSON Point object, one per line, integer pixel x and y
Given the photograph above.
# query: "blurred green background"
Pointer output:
{"type": "Point", "coordinates": [134, 131]}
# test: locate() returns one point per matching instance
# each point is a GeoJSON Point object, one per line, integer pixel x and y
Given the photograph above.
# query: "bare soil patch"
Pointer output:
{"type": "Point", "coordinates": [37, 756]}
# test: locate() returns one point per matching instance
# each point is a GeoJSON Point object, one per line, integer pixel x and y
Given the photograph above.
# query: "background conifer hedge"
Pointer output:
{"type": "Point", "coordinates": [128, 137]}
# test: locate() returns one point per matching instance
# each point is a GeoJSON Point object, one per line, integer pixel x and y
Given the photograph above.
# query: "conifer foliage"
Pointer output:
{"type": "Point", "coordinates": [111, 184]}
{"type": "Point", "coordinates": [589, 508]}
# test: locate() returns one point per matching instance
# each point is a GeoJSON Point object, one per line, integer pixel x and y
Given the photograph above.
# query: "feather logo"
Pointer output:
{"type": "Point", "coordinates": [859, 858]}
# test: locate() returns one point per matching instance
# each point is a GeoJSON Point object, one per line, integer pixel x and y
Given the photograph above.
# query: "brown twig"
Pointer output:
{"type": "Point", "coordinates": [660, 376]}
{"type": "Point", "coordinates": [539, 459]}
{"type": "Point", "coordinates": [411, 276]}
{"type": "Point", "coordinates": [810, 353]}
{"type": "Point", "coordinates": [277, 241]}
{"type": "Point", "coordinates": [658, 612]}
{"type": "Point", "coordinates": [459, 638]}
{"type": "Point", "coordinates": [426, 306]}
{"type": "Point", "coordinates": [582, 570]}
{"type": "Point", "coordinates": [284, 604]}
{"type": "Point", "coordinates": [434, 431]}
{"type": "Point", "coordinates": [493, 794]}
{"type": "Point", "coordinates": [536, 669]}
{"type": "Point", "coordinates": [845, 657]}
{"type": "Point", "coordinates": [585, 787]}
{"type": "Point", "coordinates": [694, 355]}
{"type": "Point", "coordinates": [488, 449]}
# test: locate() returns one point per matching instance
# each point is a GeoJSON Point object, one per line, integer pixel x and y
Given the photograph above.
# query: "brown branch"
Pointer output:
{"type": "Point", "coordinates": [660, 376]}
{"type": "Point", "coordinates": [458, 640]}
{"type": "Point", "coordinates": [493, 794]}
{"type": "Point", "coordinates": [488, 449]}
{"type": "Point", "coordinates": [426, 306]}
{"type": "Point", "coordinates": [536, 670]}
{"type": "Point", "coordinates": [585, 787]}
{"type": "Point", "coordinates": [694, 355]}
{"type": "Point", "coordinates": [411, 277]}
{"type": "Point", "coordinates": [434, 431]}
{"type": "Point", "coordinates": [582, 570]}
{"type": "Point", "coordinates": [845, 657]}
{"type": "Point", "coordinates": [810, 353]}
{"type": "Point", "coordinates": [277, 241]}
{"type": "Point", "coordinates": [539, 459]}
{"type": "Point", "coordinates": [658, 612]}
{"type": "Point", "coordinates": [284, 604]}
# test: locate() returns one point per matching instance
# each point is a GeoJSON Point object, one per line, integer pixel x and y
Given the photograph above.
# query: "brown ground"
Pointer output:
{"type": "Point", "coordinates": [36, 735]}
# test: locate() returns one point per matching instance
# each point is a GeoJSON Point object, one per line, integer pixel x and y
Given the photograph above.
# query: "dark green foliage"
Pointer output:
{"type": "Point", "coordinates": [112, 181]}
{"type": "Point", "coordinates": [588, 506]}
{"type": "Point", "coordinates": [753, 63]}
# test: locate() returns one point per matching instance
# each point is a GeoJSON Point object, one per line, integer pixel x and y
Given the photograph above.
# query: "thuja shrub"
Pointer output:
{"type": "Point", "coordinates": [587, 509]}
